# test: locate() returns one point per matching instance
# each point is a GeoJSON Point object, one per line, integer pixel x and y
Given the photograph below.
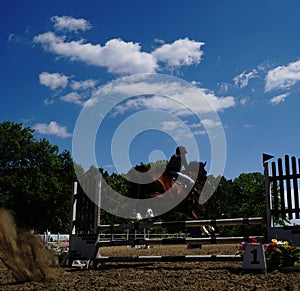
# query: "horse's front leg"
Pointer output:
{"type": "Point", "coordinates": [196, 195]}
{"type": "Point", "coordinates": [207, 230]}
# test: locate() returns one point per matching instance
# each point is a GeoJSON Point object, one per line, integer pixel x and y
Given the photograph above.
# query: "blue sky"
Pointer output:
{"type": "Point", "coordinates": [243, 56]}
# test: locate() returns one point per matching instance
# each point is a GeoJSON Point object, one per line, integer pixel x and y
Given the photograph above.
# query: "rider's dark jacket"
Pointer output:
{"type": "Point", "coordinates": [175, 164]}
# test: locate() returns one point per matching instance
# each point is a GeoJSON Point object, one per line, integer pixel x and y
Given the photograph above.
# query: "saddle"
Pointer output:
{"type": "Point", "coordinates": [167, 181]}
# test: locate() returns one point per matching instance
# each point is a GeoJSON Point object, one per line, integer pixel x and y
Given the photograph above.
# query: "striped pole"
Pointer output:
{"type": "Point", "coordinates": [187, 258]}
{"type": "Point", "coordinates": [179, 241]}
{"type": "Point", "coordinates": [185, 224]}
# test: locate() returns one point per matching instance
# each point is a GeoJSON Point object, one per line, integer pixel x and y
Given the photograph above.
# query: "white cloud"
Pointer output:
{"type": "Point", "coordinates": [218, 103]}
{"type": "Point", "coordinates": [178, 129]}
{"type": "Point", "coordinates": [83, 85]}
{"type": "Point", "coordinates": [70, 23]}
{"type": "Point", "coordinates": [171, 125]}
{"type": "Point", "coordinates": [49, 101]}
{"type": "Point", "coordinates": [126, 57]}
{"type": "Point", "coordinates": [210, 123]}
{"type": "Point", "coordinates": [53, 81]}
{"type": "Point", "coordinates": [116, 55]}
{"type": "Point", "coordinates": [73, 97]}
{"type": "Point", "coordinates": [224, 87]}
{"type": "Point", "coordinates": [243, 79]}
{"type": "Point", "coordinates": [196, 83]}
{"type": "Point", "coordinates": [283, 77]}
{"type": "Point", "coordinates": [243, 101]}
{"type": "Point", "coordinates": [278, 99]}
{"type": "Point", "coordinates": [121, 57]}
{"type": "Point", "coordinates": [160, 41]}
{"type": "Point", "coordinates": [181, 100]}
{"type": "Point", "coordinates": [198, 129]}
{"type": "Point", "coordinates": [182, 52]}
{"type": "Point", "coordinates": [14, 38]}
{"type": "Point", "coordinates": [206, 126]}
{"type": "Point", "coordinates": [52, 128]}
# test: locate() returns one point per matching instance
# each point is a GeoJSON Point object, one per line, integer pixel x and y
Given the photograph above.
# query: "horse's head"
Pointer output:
{"type": "Point", "coordinates": [197, 171]}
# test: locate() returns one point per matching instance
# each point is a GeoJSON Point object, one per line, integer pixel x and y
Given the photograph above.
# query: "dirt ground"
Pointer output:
{"type": "Point", "coordinates": [159, 276]}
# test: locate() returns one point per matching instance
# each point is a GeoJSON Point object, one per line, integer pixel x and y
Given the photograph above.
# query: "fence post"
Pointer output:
{"type": "Point", "coordinates": [97, 215]}
{"type": "Point", "coordinates": [73, 208]}
{"type": "Point", "coordinates": [268, 199]}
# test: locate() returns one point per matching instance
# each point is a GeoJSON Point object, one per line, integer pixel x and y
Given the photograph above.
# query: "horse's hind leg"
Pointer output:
{"type": "Point", "coordinates": [207, 230]}
{"type": "Point", "coordinates": [195, 214]}
{"type": "Point", "coordinates": [200, 209]}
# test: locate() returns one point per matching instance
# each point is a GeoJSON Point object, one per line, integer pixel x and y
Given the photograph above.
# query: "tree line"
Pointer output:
{"type": "Point", "coordinates": [36, 184]}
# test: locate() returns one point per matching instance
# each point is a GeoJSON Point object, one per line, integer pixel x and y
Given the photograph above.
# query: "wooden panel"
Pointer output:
{"type": "Point", "coordinates": [295, 187]}
{"type": "Point", "coordinates": [288, 187]}
{"type": "Point", "coordinates": [85, 212]}
{"type": "Point", "coordinates": [281, 189]}
{"type": "Point", "coordinates": [275, 204]}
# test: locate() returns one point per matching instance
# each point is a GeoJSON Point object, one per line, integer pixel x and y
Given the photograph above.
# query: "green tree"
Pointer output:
{"type": "Point", "coordinates": [221, 205]}
{"type": "Point", "coordinates": [36, 180]}
{"type": "Point", "coordinates": [250, 189]}
{"type": "Point", "coordinates": [241, 198]}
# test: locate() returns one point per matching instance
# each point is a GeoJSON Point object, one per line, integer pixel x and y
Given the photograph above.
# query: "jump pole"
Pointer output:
{"type": "Point", "coordinates": [178, 241]}
{"type": "Point", "coordinates": [187, 258]}
{"type": "Point", "coordinates": [185, 224]}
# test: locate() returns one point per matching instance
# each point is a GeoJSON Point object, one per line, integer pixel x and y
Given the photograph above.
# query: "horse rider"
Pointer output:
{"type": "Point", "coordinates": [174, 166]}
{"type": "Point", "coordinates": [173, 169]}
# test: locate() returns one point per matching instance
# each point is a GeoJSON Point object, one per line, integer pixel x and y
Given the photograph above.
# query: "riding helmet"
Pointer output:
{"type": "Point", "coordinates": [181, 150]}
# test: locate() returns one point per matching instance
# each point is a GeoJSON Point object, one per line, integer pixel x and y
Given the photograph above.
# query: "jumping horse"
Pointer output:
{"type": "Point", "coordinates": [189, 204]}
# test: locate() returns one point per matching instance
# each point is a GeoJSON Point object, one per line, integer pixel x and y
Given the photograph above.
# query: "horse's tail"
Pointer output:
{"type": "Point", "coordinates": [141, 190]}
